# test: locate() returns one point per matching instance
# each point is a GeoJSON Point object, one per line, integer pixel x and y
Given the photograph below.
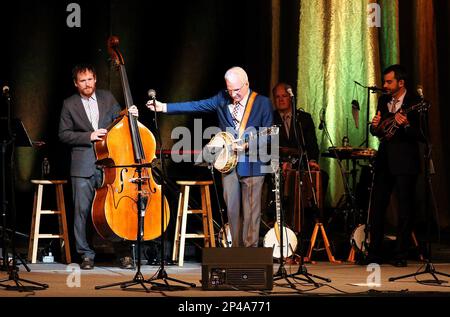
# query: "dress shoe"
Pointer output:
{"type": "Point", "coordinates": [126, 263]}
{"type": "Point", "coordinates": [370, 259]}
{"type": "Point", "coordinates": [156, 262]}
{"type": "Point", "coordinates": [399, 263]}
{"type": "Point", "coordinates": [87, 264]}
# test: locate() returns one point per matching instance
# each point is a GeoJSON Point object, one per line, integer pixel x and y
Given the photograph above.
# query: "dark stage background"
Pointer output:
{"type": "Point", "coordinates": [179, 48]}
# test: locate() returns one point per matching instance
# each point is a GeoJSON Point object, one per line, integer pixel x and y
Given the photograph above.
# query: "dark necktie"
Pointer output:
{"type": "Point", "coordinates": [287, 123]}
{"type": "Point", "coordinates": [235, 113]}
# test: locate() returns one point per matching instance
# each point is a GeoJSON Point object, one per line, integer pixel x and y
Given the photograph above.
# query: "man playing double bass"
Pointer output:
{"type": "Point", "coordinates": [84, 119]}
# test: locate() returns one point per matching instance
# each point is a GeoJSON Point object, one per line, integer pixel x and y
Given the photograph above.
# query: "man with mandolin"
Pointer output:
{"type": "Point", "coordinates": [397, 164]}
{"type": "Point", "coordinates": [84, 119]}
{"type": "Point", "coordinates": [238, 109]}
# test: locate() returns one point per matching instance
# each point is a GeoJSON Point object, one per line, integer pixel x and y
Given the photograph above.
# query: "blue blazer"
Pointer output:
{"type": "Point", "coordinates": [260, 116]}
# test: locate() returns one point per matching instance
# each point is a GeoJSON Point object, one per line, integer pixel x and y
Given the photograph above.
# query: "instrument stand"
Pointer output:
{"type": "Point", "coordinates": [354, 248]}
{"type": "Point", "coordinates": [10, 139]}
{"type": "Point", "coordinates": [319, 226]}
{"type": "Point", "coordinates": [301, 146]}
{"type": "Point", "coordinates": [429, 197]}
{"type": "Point", "coordinates": [138, 277]}
{"type": "Point", "coordinates": [161, 273]}
{"type": "Point", "coordinates": [282, 273]}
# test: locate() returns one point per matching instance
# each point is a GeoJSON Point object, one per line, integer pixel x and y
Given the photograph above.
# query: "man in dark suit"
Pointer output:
{"type": "Point", "coordinates": [397, 164]}
{"type": "Point", "coordinates": [84, 119]}
{"type": "Point", "coordinates": [306, 130]}
{"type": "Point", "coordinates": [239, 110]}
{"type": "Point", "coordinates": [305, 125]}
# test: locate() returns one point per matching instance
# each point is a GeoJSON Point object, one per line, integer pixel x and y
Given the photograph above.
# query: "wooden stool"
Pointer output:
{"type": "Point", "coordinates": [36, 220]}
{"type": "Point", "coordinates": [183, 211]}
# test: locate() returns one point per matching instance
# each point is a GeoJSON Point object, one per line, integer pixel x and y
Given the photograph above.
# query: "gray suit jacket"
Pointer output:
{"type": "Point", "coordinates": [75, 129]}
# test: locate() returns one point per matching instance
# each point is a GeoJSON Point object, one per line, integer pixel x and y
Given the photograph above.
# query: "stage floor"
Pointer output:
{"type": "Point", "coordinates": [346, 280]}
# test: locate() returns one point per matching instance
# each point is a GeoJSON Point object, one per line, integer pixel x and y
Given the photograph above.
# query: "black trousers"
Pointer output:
{"type": "Point", "coordinates": [385, 183]}
{"type": "Point", "coordinates": [83, 190]}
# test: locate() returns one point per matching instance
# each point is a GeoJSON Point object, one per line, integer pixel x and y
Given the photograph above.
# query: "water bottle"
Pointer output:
{"type": "Point", "coordinates": [345, 141]}
{"type": "Point", "coordinates": [48, 258]}
{"type": "Point", "coordinates": [45, 168]}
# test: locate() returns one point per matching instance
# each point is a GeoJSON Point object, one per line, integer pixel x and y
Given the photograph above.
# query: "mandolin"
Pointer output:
{"type": "Point", "coordinates": [388, 126]}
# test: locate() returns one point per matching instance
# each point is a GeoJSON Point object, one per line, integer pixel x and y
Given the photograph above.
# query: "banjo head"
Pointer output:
{"type": "Point", "coordinates": [226, 159]}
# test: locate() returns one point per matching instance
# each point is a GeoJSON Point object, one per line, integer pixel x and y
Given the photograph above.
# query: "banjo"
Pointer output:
{"type": "Point", "coordinates": [272, 237]}
{"type": "Point", "coordinates": [226, 157]}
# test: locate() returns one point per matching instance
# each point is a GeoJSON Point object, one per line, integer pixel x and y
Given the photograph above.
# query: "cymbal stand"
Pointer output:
{"type": "Point", "coordinates": [301, 146]}
{"type": "Point", "coordinates": [349, 198]}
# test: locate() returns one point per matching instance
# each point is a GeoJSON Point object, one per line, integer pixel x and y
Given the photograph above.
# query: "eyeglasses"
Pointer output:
{"type": "Point", "coordinates": [230, 91]}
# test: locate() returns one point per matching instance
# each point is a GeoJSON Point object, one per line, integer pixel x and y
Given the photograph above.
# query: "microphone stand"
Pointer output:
{"type": "Point", "coordinates": [429, 267]}
{"type": "Point", "coordinates": [370, 89]}
{"type": "Point", "coordinates": [12, 269]}
{"type": "Point", "coordinates": [301, 147]}
{"type": "Point", "coordinates": [161, 273]}
{"type": "Point", "coordinates": [138, 277]}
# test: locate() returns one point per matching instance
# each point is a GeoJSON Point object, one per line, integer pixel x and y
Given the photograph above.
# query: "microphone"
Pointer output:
{"type": "Point", "coordinates": [419, 90]}
{"type": "Point", "coordinates": [5, 91]}
{"type": "Point", "coordinates": [322, 119]}
{"type": "Point", "coordinates": [355, 112]}
{"type": "Point", "coordinates": [375, 88]}
{"type": "Point", "coordinates": [289, 91]}
{"type": "Point", "coordinates": [152, 94]}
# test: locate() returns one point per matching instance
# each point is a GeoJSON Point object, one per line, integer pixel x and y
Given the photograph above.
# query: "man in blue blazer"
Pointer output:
{"type": "Point", "coordinates": [239, 110]}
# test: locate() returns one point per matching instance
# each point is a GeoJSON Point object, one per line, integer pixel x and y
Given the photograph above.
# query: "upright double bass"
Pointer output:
{"type": "Point", "coordinates": [127, 146]}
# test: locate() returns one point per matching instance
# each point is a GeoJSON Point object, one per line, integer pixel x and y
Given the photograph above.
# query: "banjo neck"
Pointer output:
{"type": "Point", "coordinates": [276, 171]}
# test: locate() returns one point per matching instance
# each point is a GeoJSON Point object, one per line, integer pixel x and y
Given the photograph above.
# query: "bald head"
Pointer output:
{"type": "Point", "coordinates": [236, 73]}
{"type": "Point", "coordinates": [236, 80]}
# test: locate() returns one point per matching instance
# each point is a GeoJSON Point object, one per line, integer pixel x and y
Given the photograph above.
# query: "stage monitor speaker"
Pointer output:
{"type": "Point", "coordinates": [237, 269]}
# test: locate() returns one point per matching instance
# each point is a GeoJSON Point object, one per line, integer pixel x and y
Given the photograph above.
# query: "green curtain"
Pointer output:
{"type": "Point", "coordinates": [336, 48]}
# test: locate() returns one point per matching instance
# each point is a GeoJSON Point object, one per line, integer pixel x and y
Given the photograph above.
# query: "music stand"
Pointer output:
{"type": "Point", "coordinates": [13, 133]}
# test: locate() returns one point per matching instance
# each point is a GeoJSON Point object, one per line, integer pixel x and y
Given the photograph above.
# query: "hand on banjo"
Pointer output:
{"type": "Point", "coordinates": [239, 146]}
